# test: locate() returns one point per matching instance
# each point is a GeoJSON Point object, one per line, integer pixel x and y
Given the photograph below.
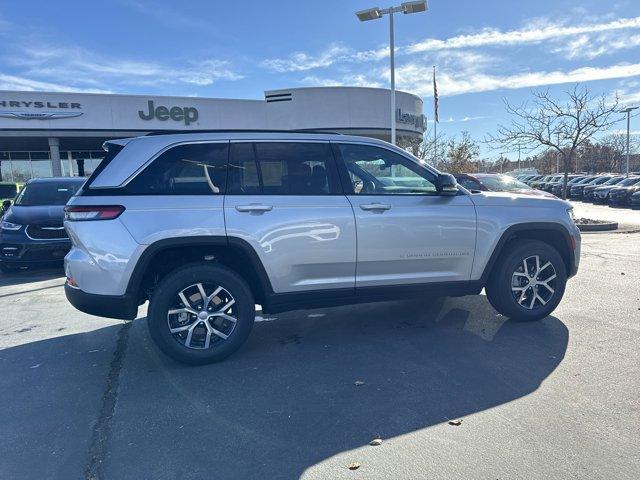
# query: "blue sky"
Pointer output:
{"type": "Point", "coordinates": [485, 51]}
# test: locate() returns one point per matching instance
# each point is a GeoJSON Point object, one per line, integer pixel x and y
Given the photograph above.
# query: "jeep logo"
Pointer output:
{"type": "Point", "coordinates": [188, 115]}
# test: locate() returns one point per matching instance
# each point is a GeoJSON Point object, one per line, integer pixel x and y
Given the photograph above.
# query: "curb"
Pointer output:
{"type": "Point", "coordinates": [598, 227]}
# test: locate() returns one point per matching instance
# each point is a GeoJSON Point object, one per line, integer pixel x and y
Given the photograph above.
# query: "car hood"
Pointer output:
{"type": "Point", "coordinates": [628, 189]}
{"type": "Point", "coordinates": [47, 214]}
{"type": "Point", "coordinates": [535, 193]}
{"type": "Point", "coordinates": [604, 189]}
{"type": "Point", "coordinates": [512, 199]}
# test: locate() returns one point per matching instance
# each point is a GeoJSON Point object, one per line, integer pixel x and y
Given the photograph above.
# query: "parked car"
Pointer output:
{"type": "Point", "coordinates": [8, 191]}
{"type": "Point", "coordinates": [541, 181]}
{"type": "Point", "coordinates": [546, 185]}
{"type": "Point", "coordinates": [620, 195]}
{"type": "Point", "coordinates": [31, 232]}
{"type": "Point", "coordinates": [634, 201]}
{"type": "Point", "coordinates": [493, 182]}
{"type": "Point", "coordinates": [558, 187]}
{"type": "Point", "coordinates": [532, 178]}
{"type": "Point", "coordinates": [205, 225]}
{"type": "Point", "coordinates": [577, 191]}
{"type": "Point", "coordinates": [601, 194]}
{"type": "Point", "coordinates": [559, 180]}
{"type": "Point", "coordinates": [589, 190]}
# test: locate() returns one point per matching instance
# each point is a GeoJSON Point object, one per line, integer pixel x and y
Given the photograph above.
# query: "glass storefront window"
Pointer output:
{"type": "Point", "coordinates": [21, 166]}
{"type": "Point", "coordinates": [5, 167]}
{"type": "Point", "coordinates": [41, 168]}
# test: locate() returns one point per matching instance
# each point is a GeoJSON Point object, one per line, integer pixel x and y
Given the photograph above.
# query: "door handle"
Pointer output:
{"type": "Point", "coordinates": [375, 206]}
{"type": "Point", "coordinates": [254, 207]}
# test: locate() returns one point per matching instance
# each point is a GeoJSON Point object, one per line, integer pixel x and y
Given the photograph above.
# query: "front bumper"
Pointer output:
{"type": "Point", "coordinates": [620, 199]}
{"type": "Point", "coordinates": [16, 249]}
{"type": "Point", "coordinates": [124, 307]}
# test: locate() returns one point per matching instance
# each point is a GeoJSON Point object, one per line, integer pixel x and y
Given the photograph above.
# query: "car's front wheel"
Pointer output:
{"type": "Point", "coordinates": [201, 313]}
{"type": "Point", "coordinates": [528, 282]}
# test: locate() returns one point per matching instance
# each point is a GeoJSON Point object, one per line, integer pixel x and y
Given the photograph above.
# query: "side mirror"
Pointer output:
{"type": "Point", "coordinates": [447, 185]}
{"type": "Point", "coordinates": [6, 205]}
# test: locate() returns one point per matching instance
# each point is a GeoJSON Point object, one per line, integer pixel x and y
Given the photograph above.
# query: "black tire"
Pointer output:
{"type": "Point", "coordinates": [164, 298]}
{"type": "Point", "coordinates": [499, 288]}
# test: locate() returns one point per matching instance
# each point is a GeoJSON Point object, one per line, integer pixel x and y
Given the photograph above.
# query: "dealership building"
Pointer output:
{"type": "Point", "coordinates": [50, 134]}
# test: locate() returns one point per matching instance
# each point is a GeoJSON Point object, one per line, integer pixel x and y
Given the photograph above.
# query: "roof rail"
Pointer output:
{"type": "Point", "coordinates": [230, 130]}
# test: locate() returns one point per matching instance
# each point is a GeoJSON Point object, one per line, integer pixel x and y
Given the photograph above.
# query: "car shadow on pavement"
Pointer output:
{"type": "Point", "coordinates": [20, 277]}
{"type": "Point", "coordinates": [285, 402]}
{"type": "Point", "coordinates": [289, 399]}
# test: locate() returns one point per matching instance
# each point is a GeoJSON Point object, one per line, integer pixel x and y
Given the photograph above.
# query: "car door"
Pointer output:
{"type": "Point", "coordinates": [407, 232]}
{"type": "Point", "coordinates": [284, 198]}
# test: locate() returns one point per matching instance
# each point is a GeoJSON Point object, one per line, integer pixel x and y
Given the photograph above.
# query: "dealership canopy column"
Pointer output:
{"type": "Point", "coordinates": [54, 152]}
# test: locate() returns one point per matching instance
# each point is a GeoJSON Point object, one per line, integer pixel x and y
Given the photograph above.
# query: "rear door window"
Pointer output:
{"type": "Point", "coordinates": [282, 168]}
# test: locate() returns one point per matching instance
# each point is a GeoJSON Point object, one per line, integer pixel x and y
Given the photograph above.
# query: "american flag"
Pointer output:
{"type": "Point", "coordinates": [435, 97]}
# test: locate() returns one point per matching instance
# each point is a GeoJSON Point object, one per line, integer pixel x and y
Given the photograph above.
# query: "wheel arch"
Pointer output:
{"type": "Point", "coordinates": [553, 234]}
{"type": "Point", "coordinates": [163, 256]}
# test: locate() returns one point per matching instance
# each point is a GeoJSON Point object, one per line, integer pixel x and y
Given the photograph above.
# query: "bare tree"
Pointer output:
{"type": "Point", "coordinates": [563, 126]}
{"type": "Point", "coordinates": [461, 155]}
{"type": "Point", "coordinates": [425, 150]}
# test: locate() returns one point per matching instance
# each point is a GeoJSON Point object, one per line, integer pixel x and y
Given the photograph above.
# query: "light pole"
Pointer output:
{"type": "Point", "coordinates": [376, 13]}
{"type": "Point", "coordinates": [628, 111]}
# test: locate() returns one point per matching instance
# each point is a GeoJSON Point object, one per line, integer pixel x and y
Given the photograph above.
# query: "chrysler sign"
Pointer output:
{"type": "Point", "coordinates": [47, 110]}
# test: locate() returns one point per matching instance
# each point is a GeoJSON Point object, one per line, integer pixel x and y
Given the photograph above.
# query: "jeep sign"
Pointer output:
{"type": "Point", "coordinates": [188, 115]}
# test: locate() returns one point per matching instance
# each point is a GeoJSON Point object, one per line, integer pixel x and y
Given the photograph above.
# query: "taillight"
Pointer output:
{"type": "Point", "coordinates": [92, 212]}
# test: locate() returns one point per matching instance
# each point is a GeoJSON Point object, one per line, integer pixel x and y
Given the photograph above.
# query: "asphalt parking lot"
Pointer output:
{"type": "Point", "coordinates": [86, 397]}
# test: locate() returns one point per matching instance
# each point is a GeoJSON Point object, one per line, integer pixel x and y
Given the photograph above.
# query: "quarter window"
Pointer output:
{"type": "Point", "coordinates": [378, 171]}
{"type": "Point", "coordinates": [191, 169]}
{"type": "Point", "coordinates": [282, 168]}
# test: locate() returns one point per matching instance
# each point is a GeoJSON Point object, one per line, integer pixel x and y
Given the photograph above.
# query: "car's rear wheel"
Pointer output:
{"type": "Point", "coordinates": [201, 313]}
{"type": "Point", "coordinates": [528, 282]}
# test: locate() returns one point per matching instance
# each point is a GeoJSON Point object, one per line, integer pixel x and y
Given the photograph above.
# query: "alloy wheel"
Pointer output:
{"type": "Point", "coordinates": [533, 282]}
{"type": "Point", "coordinates": [202, 316]}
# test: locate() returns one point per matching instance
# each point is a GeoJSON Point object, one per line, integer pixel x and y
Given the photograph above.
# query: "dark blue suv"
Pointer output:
{"type": "Point", "coordinates": [31, 231]}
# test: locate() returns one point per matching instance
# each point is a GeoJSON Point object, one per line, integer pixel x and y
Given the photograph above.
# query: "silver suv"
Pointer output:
{"type": "Point", "coordinates": [207, 225]}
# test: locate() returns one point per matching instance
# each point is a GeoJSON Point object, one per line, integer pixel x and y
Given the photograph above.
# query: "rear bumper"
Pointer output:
{"type": "Point", "coordinates": [124, 307]}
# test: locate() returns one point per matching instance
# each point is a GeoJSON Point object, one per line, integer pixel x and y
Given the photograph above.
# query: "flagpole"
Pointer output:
{"type": "Point", "coordinates": [435, 122]}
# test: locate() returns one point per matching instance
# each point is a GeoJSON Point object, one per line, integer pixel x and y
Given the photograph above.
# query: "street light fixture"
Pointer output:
{"type": "Point", "coordinates": [374, 14]}
{"type": "Point", "coordinates": [628, 111]}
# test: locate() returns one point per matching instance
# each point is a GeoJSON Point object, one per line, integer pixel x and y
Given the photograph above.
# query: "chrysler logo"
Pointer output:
{"type": "Point", "coordinates": [39, 115]}
{"type": "Point", "coordinates": [53, 110]}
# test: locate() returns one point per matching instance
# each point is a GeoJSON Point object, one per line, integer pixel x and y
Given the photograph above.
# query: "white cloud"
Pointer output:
{"type": "Point", "coordinates": [465, 119]}
{"type": "Point", "coordinates": [84, 69]}
{"type": "Point", "coordinates": [300, 61]}
{"type": "Point", "coordinates": [13, 82]}
{"type": "Point", "coordinates": [590, 47]}
{"type": "Point", "coordinates": [416, 78]}
{"type": "Point", "coordinates": [346, 80]}
{"type": "Point", "coordinates": [528, 35]}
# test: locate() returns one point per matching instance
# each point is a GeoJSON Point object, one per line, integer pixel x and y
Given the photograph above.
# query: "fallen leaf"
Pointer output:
{"type": "Point", "coordinates": [358, 383]}
{"type": "Point", "coordinates": [375, 442]}
{"type": "Point", "coordinates": [353, 466]}
{"type": "Point", "coordinates": [456, 423]}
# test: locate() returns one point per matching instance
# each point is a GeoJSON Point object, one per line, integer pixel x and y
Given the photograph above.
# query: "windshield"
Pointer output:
{"type": "Point", "coordinates": [47, 193]}
{"type": "Point", "coordinates": [629, 181]}
{"type": "Point", "coordinates": [8, 191]}
{"type": "Point", "coordinates": [502, 183]}
{"type": "Point", "coordinates": [613, 181]}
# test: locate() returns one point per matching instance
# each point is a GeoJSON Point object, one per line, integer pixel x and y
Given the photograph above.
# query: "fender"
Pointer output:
{"type": "Point", "coordinates": [513, 230]}
{"type": "Point", "coordinates": [214, 240]}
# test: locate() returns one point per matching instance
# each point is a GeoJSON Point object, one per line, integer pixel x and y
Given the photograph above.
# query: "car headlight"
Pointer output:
{"type": "Point", "coordinates": [4, 225]}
